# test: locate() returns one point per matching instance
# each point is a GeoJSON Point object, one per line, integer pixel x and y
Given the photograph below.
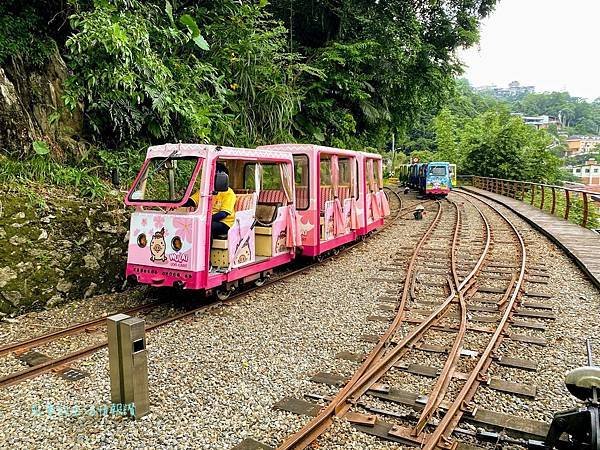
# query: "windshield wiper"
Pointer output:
{"type": "Point", "coordinates": [159, 166]}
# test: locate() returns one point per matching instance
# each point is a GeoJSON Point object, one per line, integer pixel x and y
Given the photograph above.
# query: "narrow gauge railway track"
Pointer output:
{"type": "Point", "coordinates": [399, 210]}
{"type": "Point", "coordinates": [454, 389]}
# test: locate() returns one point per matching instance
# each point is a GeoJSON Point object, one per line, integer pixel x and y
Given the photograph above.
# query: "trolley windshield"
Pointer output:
{"type": "Point", "coordinates": [438, 171]}
{"type": "Point", "coordinates": [165, 180]}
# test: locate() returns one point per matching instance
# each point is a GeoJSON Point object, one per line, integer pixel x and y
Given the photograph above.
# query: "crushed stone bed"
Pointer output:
{"type": "Point", "coordinates": [215, 377]}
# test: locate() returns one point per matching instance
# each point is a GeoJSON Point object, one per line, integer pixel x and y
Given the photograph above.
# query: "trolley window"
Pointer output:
{"type": "Point", "coordinates": [438, 171]}
{"type": "Point", "coordinates": [164, 180]}
{"type": "Point", "coordinates": [301, 179]}
{"type": "Point", "coordinates": [325, 171]}
{"type": "Point", "coordinates": [270, 177]}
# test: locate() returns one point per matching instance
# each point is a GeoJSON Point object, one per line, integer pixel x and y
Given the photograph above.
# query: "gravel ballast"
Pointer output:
{"type": "Point", "coordinates": [215, 377]}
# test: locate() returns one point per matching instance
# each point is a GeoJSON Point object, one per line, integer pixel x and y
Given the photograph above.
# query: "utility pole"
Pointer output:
{"type": "Point", "coordinates": [393, 151]}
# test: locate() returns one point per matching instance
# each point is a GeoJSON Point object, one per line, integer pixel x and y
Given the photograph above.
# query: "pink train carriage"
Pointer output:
{"type": "Point", "coordinates": [282, 192]}
{"type": "Point", "coordinates": [339, 195]}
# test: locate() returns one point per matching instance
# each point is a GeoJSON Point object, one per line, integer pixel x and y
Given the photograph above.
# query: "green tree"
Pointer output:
{"type": "Point", "coordinates": [218, 72]}
{"type": "Point", "coordinates": [445, 125]}
{"type": "Point", "coordinates": [501, 145]}
{"type": "Point", "coordinates": [384, 62]}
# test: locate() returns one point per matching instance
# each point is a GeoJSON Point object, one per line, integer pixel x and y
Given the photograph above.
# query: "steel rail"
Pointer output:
{"type": "Point", "coordinates": [355, 389]}
{"type": "Point", "coordinates": [72, 329]}
{"type": "Point", "coordinates": [338, 405]}
{"type": "Point", "coordinates": [440, 388]}
{"type": "Point", "coordinates": [62, 361]}
{"type": "Point", "coordinates": [392, 357]}
{"type": "Point", "coordinates": [455, 411]}
{"type": "Point", "coordinates": [375, 369]}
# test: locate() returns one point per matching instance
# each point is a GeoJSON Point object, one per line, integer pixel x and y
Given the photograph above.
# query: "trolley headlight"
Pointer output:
{"type": "Point", "coordinates": [141, 240]}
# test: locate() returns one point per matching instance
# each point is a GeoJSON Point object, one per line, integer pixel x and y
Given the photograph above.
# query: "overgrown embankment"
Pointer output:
{"type": "Point", "coordinates": [55, 246]}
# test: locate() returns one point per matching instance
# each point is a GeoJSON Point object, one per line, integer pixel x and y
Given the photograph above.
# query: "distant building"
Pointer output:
{"type": "Point", "coordinates": [582, 145]}
{"type": "Point", "coordinates": [588, 173]}
{"type": "Point", "coordinates": [540, 122]}
{"type": "Point", "coordinates": [514, 90]}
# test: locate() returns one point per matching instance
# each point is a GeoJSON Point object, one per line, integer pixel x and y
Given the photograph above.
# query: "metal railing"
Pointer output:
{"type": "Point", "coordinates": [575, 205]}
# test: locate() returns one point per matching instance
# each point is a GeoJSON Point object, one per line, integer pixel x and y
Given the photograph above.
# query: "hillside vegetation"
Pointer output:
{"type": "Point", "coordinates": [87, 85]}
{"type": "Point", "coordinates": [346, 73]}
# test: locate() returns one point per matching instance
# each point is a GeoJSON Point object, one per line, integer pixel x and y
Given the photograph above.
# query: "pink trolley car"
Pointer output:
{"type": "Point", "coordinates": [340, 190]}
{"type": "Point", "coordinates": [282, 193]}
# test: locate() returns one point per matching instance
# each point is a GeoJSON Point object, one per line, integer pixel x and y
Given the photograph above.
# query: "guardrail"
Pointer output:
{"type": "Point", "coordinates": [575, 205]}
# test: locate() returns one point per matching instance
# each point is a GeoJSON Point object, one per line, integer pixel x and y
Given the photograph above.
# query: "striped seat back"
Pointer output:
{"type": "Point", "coordinates": [326, 194]}
{"type": "Point", "coordinates": [244, 202]}
{"type": "Point", "coordinates": [272, 196]}
{"type": "Point", "coordinates": [301, 197]}
{"type": "Point", "coordinates": [343, 193]}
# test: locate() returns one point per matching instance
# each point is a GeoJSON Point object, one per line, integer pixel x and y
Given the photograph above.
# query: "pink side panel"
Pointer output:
{"type": "Point", "coordinates": [152, 240]}
{"type": "Point", "coordinates": [240, 240]}
{"type": "Point", "coordinates": [328, 245]}
{"type": "Point", "coordinates": [279, 232]}
{"type": "Point", "coordinates": [217, 279]}
{"type": "Point", "coordinates": [308, 229]}
{"type": "Point", "coordinates": [369, 208]}
{"type": "Point", "coordinates": [329, 221]}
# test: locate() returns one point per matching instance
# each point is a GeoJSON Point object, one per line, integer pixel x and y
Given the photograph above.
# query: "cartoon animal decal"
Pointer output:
{"type": "Point", "coordinates": [330, 226]}
{"type": "Point", "coordinates": [245, 255]}
{"type": "Point", "coordinates": [280, 243]}
{"type": "Point", "coordinates": [158, 246]}
{"type": "Point", "coordinates": [304, 228]}
{"type": "Point", "coordinates": [347, 220]}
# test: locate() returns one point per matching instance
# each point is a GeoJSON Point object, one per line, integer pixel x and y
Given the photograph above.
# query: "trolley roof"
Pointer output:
{"type": "Point", "coordinates": [210, 152]}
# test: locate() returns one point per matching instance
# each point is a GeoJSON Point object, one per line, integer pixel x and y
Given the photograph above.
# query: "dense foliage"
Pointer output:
{"type": "Point", "coordinates": [350, 73]}
{"type": "Point", "coordinates": [383, 62]}
{"type": "Point", "coordinates": [482, 137]}
{"type": "Point", "coordinates": [576, 115]}
{"type": "Point", "coordinates": [347, 73]}
{"type": "Point", "coordinates": [152, 71]}
{"type": "Point", "coordinates": [25, 31]}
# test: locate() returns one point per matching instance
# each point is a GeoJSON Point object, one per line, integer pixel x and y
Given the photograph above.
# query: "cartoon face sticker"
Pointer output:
{"type": "Point", "coordinates": [280, 243]}
{"type": "Point", "coordinates": [158, 246]}
{"type": "Point", "coordinates": [141, 240]}
{"type": "Point", "coordinates": [245, 254]}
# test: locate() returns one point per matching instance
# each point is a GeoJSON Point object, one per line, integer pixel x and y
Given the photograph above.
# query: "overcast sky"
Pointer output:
{"type": "Point", "coordinates": [550, 44]}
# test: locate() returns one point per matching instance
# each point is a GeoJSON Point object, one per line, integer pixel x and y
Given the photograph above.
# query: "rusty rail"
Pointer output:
{"type": "Point", "coordinates": [70, 330]}
{"type": "Point", "coordinates": [339, 404]}
{"type": "Point", "coordinates": [478, 374]}
{"type": "Point", "coordinates": [438, 392]}
{"type": "Point", "coordinates": [571, 198]}
{"type": "Point", "coordinates": [377, 364]}
{"type": "Point", "coordinates": [373, 369]}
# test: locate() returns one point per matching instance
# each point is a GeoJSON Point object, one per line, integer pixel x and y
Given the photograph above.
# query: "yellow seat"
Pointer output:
{"type": "Point", "coordinates": [267, 231]}
{"type": "Point", "coordinates": [220, 244]}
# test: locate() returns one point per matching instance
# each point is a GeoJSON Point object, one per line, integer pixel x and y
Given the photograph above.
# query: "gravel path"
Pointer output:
{"type": "Point", "coordinates": [215, 377]}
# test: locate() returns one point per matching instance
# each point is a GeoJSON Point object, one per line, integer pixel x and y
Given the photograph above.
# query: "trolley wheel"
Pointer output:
{"type": "Point", "coordinates": [335, 251]}
{"type": "Point", "coordinates": [363, 237]}
{"type": "Point", "coordinates": [260, 281]}
{"type": "Point", "coordinates": [223, 294]}
{"type": "Point", "coordinates": [320, 258]}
